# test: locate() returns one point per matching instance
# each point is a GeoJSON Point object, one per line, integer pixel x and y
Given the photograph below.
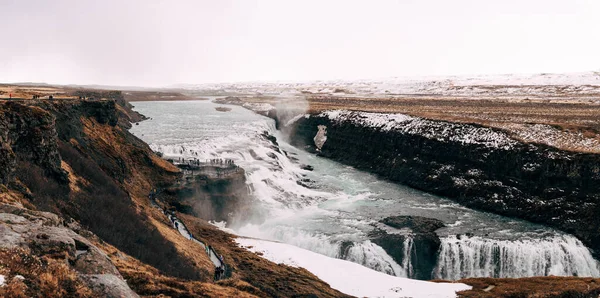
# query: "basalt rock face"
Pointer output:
{"type": "Point", "coordinates": [413, 237]}
{"type": "Point", "coordinates": [31, 133]}
{"type": "Point", "coordinates": [126, 114]}
{"type": "Point", "coordinates": [212, 192]}
{"type": "Point", "coordinates": [479, 167]}
{"type": "Point", "coordinates": [27, 133]}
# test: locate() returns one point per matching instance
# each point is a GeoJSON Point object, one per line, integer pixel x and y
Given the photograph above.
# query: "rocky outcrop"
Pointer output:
{"type": "Point", "coordinates": [45, 235]}
{"type": "Point", "coordinates": [110, 286]}
{"type": "Point", "coordinates": [411, 241]}
{"type": "Point", "coordinates": [28, 133]}
{"type": "Point", "coordinates": [31, 132]}
{"type": "Point", "coordinates": [212, 191]}
{"type": "Point", "coordinates": [125, 114]}
{"type": "Point", "coordinates": [479, 167]}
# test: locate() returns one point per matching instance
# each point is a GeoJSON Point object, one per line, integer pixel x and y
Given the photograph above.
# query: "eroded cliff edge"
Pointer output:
{"type": "Point", "coordinates": [477, 166]}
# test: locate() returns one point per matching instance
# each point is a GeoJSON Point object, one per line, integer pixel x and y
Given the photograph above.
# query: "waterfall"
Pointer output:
{"type": "Point", "coordinates": [373, 256]}
{"type": "Point", "coordinates": [478, 257]}
{"type": "Point", "coordinates": [407, 261]}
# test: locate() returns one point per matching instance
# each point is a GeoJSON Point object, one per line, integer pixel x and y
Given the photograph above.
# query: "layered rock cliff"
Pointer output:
{"type": "Point", "coordinates": [479, 167]}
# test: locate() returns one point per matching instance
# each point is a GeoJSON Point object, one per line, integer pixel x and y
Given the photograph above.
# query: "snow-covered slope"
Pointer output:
{"type": "Point", "coordinates": [348, 277]}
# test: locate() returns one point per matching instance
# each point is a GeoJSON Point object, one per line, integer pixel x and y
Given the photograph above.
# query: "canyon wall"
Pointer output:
{"type": "Point", "coordinates": [479, 167]}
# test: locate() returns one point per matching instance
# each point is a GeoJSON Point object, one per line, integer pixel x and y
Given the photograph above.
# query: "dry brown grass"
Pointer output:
{"type": "Point", "coordinates": [550, 286]}
{"type": "Point", "coordinates": [27, 92]}
{"type": "Point", "coordinates": [149, 282]}
{"type": "Point", "coordinates": [574, 113]}
{"type": "Point", "coordinates": [11, 197]}
{"type": "Point", "coordinates": [41, 276]}
{"type": "Point", "coordinates": [74, 180]}
{"type": "Point", "coordinates": [186, 247]}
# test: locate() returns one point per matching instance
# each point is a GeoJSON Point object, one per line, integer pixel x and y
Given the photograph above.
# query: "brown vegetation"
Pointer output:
{"type": "Point", "coordinates": [29, 275]}
{"type": "Point", "coordinates": [551, 286]}
{"type": "Point", "coordinates": [148, 281]}
{"type": "Point", "coordinates": [29, 91]}
{"type": "Point", "coordinates": [578, 119]}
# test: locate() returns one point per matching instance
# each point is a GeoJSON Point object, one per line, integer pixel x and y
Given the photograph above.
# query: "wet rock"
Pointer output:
{"type": "Point", "coordinates": [417, 224]}
{"type": "Point", "coordinates": [305, 182]}
{"type": "Point", "coordinates": [307, 167]}
{"type": "Point", "coordinates": [415, 238]}
{"type": "Point", "coordinates": [270, 138]}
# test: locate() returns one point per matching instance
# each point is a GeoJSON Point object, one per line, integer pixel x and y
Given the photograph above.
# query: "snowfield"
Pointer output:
{"type": "Point", "coordinates": [348, 277]}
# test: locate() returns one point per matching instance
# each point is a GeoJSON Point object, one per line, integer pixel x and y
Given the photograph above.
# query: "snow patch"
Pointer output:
{"type": "Point", "coordinates": [436, 130]}
{"type": "Point", "coordinates": [2, 280]}
{"type": "Point", "coordinates": [348, 277]}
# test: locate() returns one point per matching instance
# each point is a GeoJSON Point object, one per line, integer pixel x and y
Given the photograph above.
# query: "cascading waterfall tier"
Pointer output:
{"type": "Point", "coordinates": [478, 257]}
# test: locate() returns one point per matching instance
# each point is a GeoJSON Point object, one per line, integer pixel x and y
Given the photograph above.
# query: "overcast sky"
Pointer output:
{"type": "Point", "coordinates": [158, 43]}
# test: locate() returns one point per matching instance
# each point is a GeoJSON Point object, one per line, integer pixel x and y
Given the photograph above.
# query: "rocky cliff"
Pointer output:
{"type": "Point", "coordinates": [479, 167]}
{"type": "Point", "coordinates": [212, 191]}
{"type": "Point", "coordinates": [75, 218]}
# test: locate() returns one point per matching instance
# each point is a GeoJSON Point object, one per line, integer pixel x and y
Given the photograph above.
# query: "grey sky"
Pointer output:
{"type": "Point", "coordinates": [157, 43]}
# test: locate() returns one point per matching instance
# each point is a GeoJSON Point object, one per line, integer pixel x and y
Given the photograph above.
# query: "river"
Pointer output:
{"type": "Point", "coordinates": [336, 204]}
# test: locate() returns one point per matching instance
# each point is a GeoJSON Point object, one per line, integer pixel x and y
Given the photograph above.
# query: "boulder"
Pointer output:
{"type": "Point", "coordinates": [44, 234]}
{"type": "Point", "coordinates": [108, 285]}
